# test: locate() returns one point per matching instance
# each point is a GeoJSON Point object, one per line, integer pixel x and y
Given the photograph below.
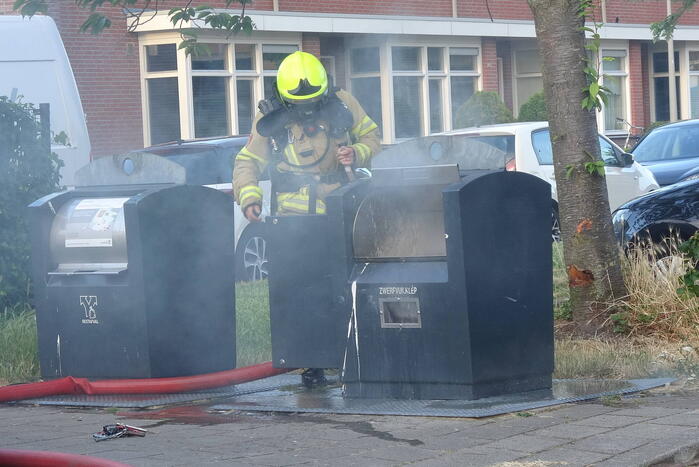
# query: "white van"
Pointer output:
{"type": "Point", "coordinates": [34, 69]}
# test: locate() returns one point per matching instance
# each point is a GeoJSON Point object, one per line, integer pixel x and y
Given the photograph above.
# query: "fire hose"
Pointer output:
{"type": "Point", "coordinates": [20, 458]}
{"type": "Point", "coordinates": [71, 385]}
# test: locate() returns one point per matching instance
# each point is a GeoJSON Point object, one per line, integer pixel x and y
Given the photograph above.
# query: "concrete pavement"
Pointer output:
{"type": "Point", "coordinates": [660, 427]}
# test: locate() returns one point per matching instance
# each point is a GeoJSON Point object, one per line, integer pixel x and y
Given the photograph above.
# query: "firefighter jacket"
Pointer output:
{"type": "Point", "coordinates": [312, 158]}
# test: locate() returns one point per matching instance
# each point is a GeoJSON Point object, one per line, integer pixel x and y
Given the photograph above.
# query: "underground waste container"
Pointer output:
{"type": "Point", "coordinates": [436, 277]}
{"type": "Point", "coordinates": [134, 279]}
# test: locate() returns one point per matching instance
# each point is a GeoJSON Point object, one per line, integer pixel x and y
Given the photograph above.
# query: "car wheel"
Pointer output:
{"type": "Point", "coordinates": [251, 254]}
{"type": "Point", "coordinates": [555, 225]}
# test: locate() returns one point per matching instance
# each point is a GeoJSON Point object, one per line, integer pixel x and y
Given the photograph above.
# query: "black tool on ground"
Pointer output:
{"type": "Point", "coordinates": [118, 430]}
{"type": "Point", "coordinates": [134, 280]}
{"type": "Point", "coordinates": [313, 377]}
{"type": "Point", "coordinates": [430, 281]}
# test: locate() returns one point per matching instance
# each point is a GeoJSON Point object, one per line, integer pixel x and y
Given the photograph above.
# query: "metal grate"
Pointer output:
{"type": "Point", "coordinates": [282, 394]}
{"type": "Point", "coordinates": [331, 400]}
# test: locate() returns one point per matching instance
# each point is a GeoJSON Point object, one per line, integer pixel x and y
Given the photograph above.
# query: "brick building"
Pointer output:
{"type": "Point", "coordinates": [411, 63]}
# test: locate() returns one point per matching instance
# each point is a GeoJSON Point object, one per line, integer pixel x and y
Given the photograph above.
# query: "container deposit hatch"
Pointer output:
{"type": "Point", "coordinates": [134, 279]}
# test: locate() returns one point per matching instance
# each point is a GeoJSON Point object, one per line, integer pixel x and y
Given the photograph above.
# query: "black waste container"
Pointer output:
{"type": "Point", "coordinates": [134, 281]}
{"type": "Point", "coordinates": [451, 288]}
{"type": "Point", "coordinates": [432, 280]}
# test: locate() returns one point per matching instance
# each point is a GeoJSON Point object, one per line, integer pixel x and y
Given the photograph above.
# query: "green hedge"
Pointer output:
{"type": "Point", "coordinates": [534, 110]}
{"type": "Point", "coordinates": [482, 108]}
{"type": "Point", "coordinates": [28, 171]}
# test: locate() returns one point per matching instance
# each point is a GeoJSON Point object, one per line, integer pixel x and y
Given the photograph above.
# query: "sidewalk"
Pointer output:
{"type": "Point", "coordinates": [657, 428]}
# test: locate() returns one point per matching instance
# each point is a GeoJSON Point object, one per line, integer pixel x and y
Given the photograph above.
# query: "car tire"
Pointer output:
{"type": "Point", "coordinates": [251, 254]}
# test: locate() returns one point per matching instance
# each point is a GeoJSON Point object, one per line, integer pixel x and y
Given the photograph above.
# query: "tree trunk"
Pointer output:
{"type": "Point", "coordinates": [590, 250]}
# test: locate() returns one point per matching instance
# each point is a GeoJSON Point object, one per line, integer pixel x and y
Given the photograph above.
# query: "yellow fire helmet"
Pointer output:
{"type": "Point", "coordinates": [301, 78]}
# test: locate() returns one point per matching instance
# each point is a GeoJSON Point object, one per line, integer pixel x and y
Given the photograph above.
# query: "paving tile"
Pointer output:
{"type": "Point", "coordinates": [400, 453]}
{"type": "Point", "coordinates": [466, 457]}
{"type": "Point", "coordinates": [578, 411]}
{"type": "Point", "coordinates": [608, 421]}
{"type": "Point", "coordinates": [608, 443]}
{"type": "Point", "coordinates": [569, 431]}
{"type": "Point", "coordinates": [640, 456]}
{"type": "Point", "coordinates": [652, 430]}
{"type": "Point", "coordinates": [565, 456]}
{"type": "Point", "coordinates": [328, 452]}
{"type": "Point", "coordinates": [452, 442]}
{"type": "Point", "coordinates": [524, 443]}
{"type": "Point", "coordinates": [358, 460]}
{"type": "Point", "coordinates": [277, 460]}
{"type": "Point", "coordinates": [495, 431]}
{"type": "Point", "coordinates": [649, 412]}
{"type": "Point", "coordinates": [686, 419]}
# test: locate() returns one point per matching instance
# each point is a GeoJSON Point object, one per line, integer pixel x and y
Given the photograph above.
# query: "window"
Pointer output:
{"type": "Point", "coordinates": [528, 78]}
{"type": "Point", "coordinates": [213, 57]}
{"type": "Point", "coordinates": [614, 77]}
{"type": "Point", "coordinates": [406, 106]}
{"type": "Point", "coordinates": [162, 93]}
{"type": "Point", "coordinates": [164, 110]}
{"type": "Point", "coordinates": [463, 77]}
{"type": "Point", "coordinates": [661, 89]}
{"type": "Point", "coordinates": [225, 82]}
{"type": "Point", "coordinates": [365, 66]}
{"type": "Point", "coordinates": [435, 90]}
{"type": "Point", "coordinates": [245, 98]}
{"type": "Point", "coordinates": [436, 83]}
{"type": "Point", "coordinates": [365, 60]}
{"type": "Point", "coordinates": [694, 83]}
{"type": "Point", "coordinates": [608, 153]}
{"type": "Point", "coordinates": [407, 91]}
{"type": "Point", "coordinates": [667, 144]}
{"type": "Point", "coordinates": [426, 85]}
{"type": "Point", "coordinates": [210, 106]}
{"type": "Point", "coordinates": [541, 141]}
{"type": "Point", "coordinates": [162, 57]}
{"type": "Point", "coordinates": [368, 92]}
{"type": "Point", "coordinates": [272, 55]}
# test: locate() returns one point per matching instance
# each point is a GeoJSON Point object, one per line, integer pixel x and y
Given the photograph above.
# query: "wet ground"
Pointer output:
{"type": "Point", "coordinates": [658, 427]}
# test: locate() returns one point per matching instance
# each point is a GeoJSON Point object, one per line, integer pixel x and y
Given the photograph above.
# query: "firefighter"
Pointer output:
{"type": "Point", "coordinates": [305, 135]}
{"type": "Point", "coordinates": [310, 138]}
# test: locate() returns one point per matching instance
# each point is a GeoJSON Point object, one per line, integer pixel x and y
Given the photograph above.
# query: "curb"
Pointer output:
{"type": "Point", "coordinates": [682, 456]}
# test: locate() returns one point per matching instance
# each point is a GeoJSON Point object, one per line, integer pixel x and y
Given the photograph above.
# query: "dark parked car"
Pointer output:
{"type": "Point", "coordinates": [210, 162]}
{"type": "Point", "coordinates": [671, 210]}
{"type": "Point", "coordinates": [671, 152]}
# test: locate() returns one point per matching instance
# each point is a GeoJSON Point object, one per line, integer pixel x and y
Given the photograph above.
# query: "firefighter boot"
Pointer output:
{"type": "Point", "coordinates": [313, 377]}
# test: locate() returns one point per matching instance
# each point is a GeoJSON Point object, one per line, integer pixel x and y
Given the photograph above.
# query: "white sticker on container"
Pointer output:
{"type": "Point", "coordinates": [88, 242]}
{"type": "Point", "coordinates": [101, 203]}
{"type": "Point", "coordinates": [103, 220]}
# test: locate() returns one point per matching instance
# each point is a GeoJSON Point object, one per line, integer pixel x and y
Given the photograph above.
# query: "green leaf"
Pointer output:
{"type": "Point", "coordinates": [30, 7]}
{"type": "Point", "coordinates": [594, 89]}
{"type": "Point", "coordinates": [569, 171]}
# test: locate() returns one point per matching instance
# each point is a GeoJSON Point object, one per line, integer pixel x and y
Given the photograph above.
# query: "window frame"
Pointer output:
{"type": "Point", "coordinates": [680, 75]}
{"type": "Point", "coordinates": [386, 75]}
{"type": "Point", "coordinates": [686, 87]}
{"type": "Point", "coordinates": [624, 74]}
{"type": "Point", "coordinates": [524, 46]}
{"type": "Point", "coordinates": [184, 74]}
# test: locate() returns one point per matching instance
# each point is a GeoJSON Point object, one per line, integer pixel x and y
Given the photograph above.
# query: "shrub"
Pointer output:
{"type": "Point", "coordinates": [534, 110]}
{"type": "Point", "coordinates": [482, 108]}
{"type": "Point", "coordinates": [28, 171]}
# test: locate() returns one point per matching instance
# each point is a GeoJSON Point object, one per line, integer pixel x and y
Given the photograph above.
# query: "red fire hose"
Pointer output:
{"type": "Point", "coordinates": [70, 385]}
{"type": "Point", "coordinates": [17, 458]}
